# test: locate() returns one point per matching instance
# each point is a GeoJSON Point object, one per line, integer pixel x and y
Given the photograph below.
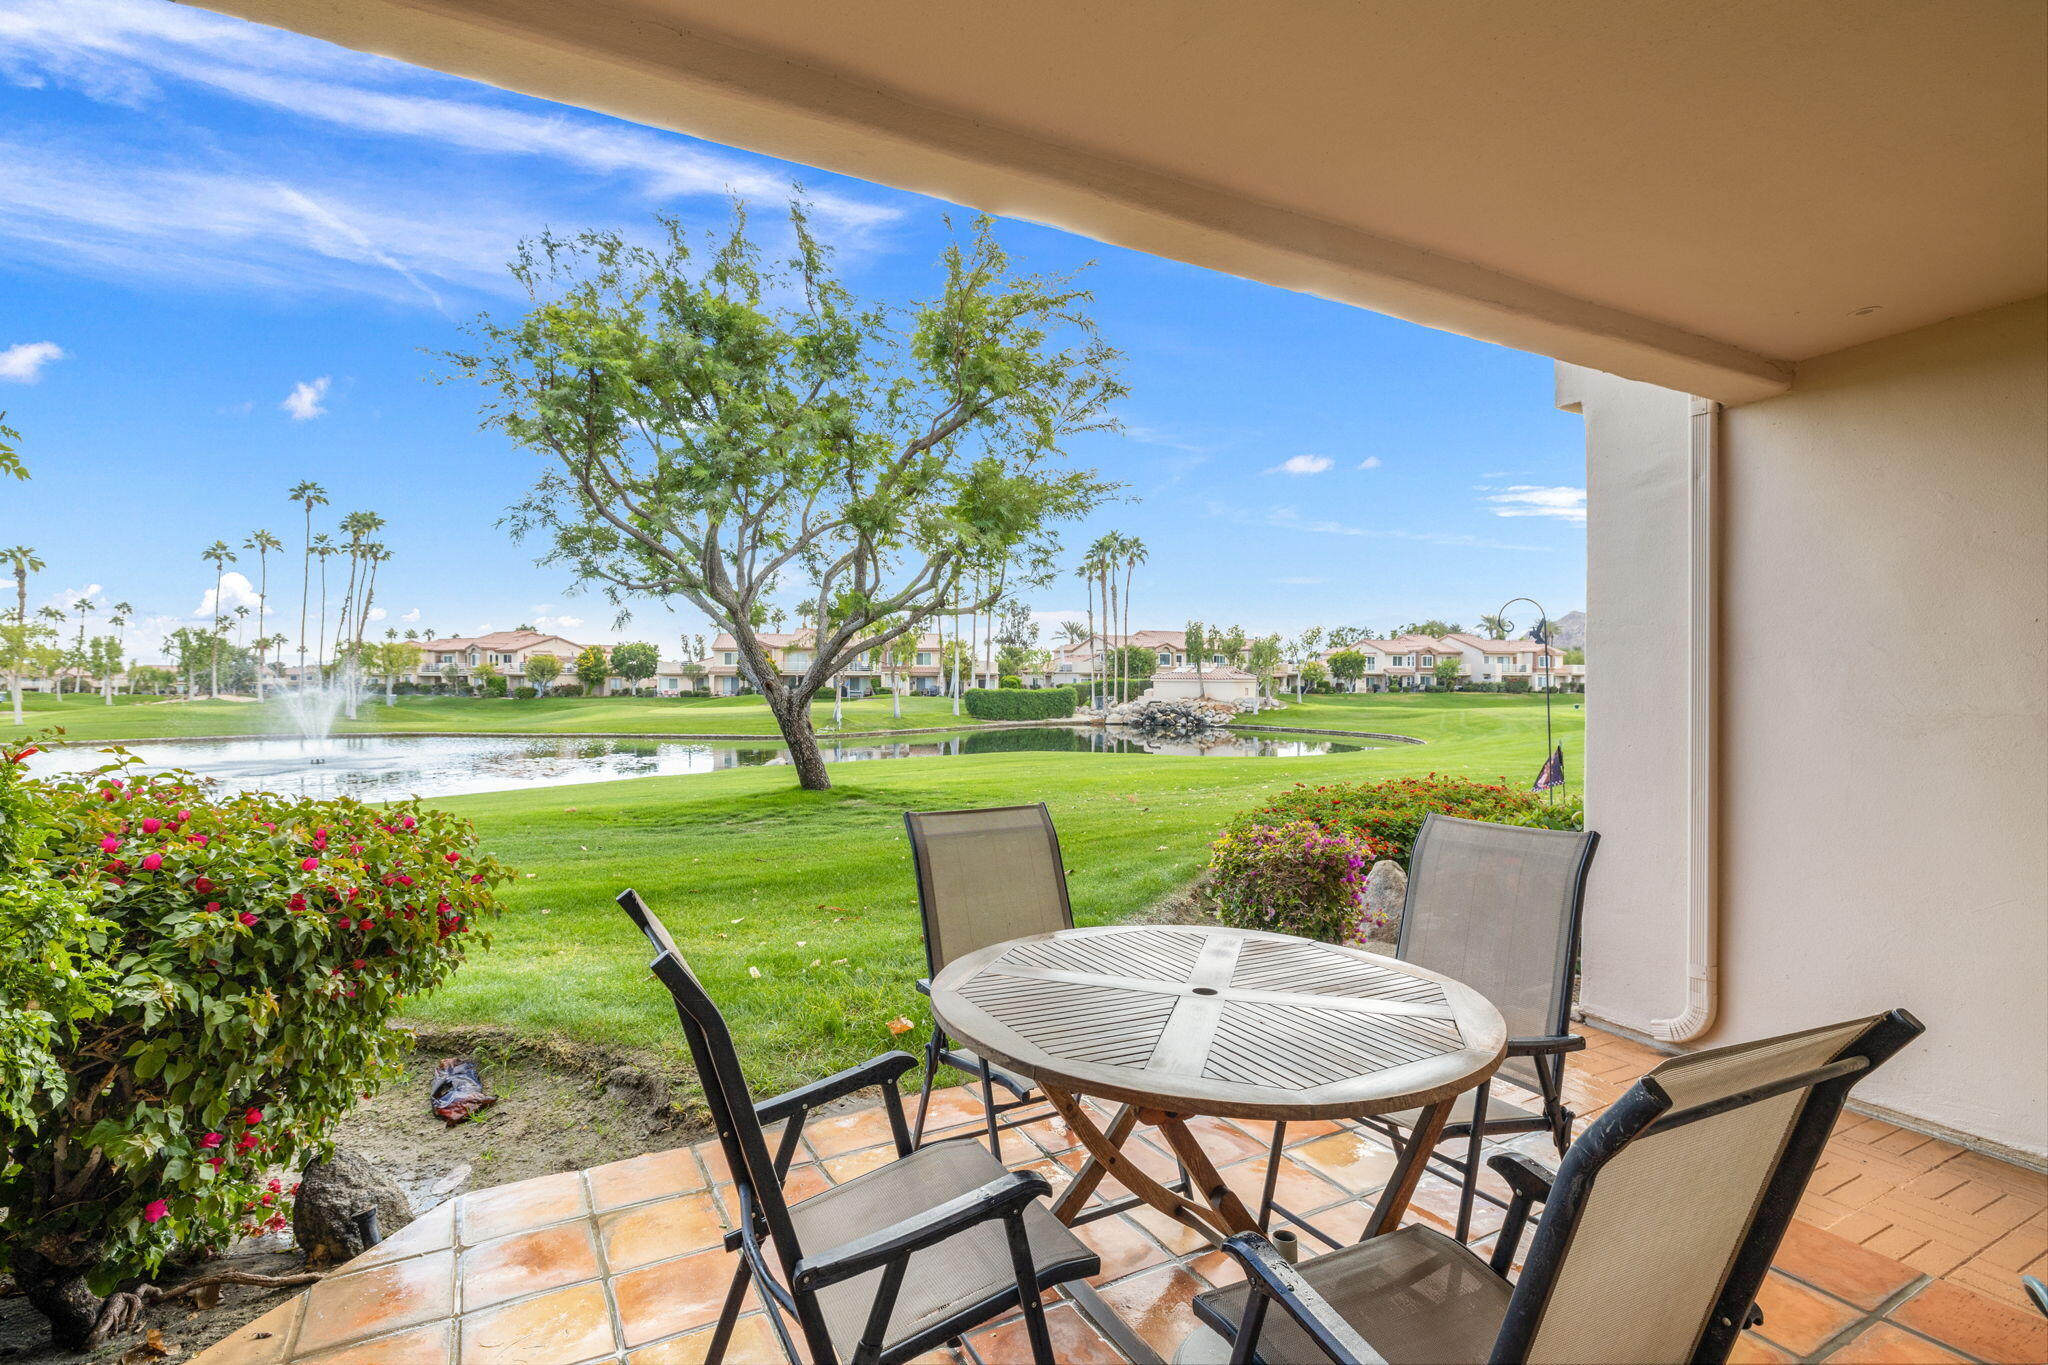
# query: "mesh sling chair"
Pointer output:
{"type": "Point", "coordinates": [1497, 907]}
{"type": "Point", "coordinates": [1656, 1233]}
{"type": "Point", "coordinates": [983, 876]}
{"type": "Point", "coordinates": [897, 1260]}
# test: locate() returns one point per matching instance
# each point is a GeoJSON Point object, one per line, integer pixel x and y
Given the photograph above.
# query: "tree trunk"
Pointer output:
{"type": "Point", "coordinates": [60, 1294]}
{"type": "Point", "coordinates": [793, 715]}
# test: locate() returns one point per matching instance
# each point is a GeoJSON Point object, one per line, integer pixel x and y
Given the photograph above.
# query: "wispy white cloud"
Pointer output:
{"type": "Point", "coordinates": [556, 623]}
{"type": "Point", "coordinates": [377, 613]}
{"type": "Point", "coordinates": [23, 363]}
{"type": "Point", "coordinates": [1302, 464]}
{"type": "Point", "coordinates": [1157, 436]}
{"type": "Point", "coordinates": [1289, 520]}
{"type": "Point", "coordinates": [1531, 500]}
{"type": "Point", "coordinates": [1369, 462]}
{"type": "Point", "coordinates": [306, 400]}
{"type": "Point", "coordinates": [412, 615]}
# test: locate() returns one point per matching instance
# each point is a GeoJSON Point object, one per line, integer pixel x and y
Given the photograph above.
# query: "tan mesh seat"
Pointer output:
{"type": "Point", "coordinates": [1499, 1110]}
{"type": "Point", "coordinates": [1657, 1229]}
{"type": "Point", "coordinates": [1421, 1298]}
{"type": "Point", "coordinates": [942, 1281]}
{"type": "Point", "coordinates": [983, 877]}
{"type": "Point", "coordinates": [891, 1264]}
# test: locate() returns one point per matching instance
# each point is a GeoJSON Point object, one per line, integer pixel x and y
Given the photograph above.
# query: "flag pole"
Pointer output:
{"type": "Point", "coordinates": [1542, 638]}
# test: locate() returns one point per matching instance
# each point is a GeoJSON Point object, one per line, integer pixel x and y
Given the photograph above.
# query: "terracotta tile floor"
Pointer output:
{"type": "Point", "coordinates": [1907, 1249]}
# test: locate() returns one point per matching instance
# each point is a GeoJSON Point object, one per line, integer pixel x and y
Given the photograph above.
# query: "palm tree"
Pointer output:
{"type": "Point", "coordinates": [308, 495]}
{"type": "Point", "coordinates": [119, 621]}
{"type": "Point", "coordinates": [83, 606]}
{"type": "Point", "coordinates": [22, 560]}
{"type": "Point", "coordinates": [1496, 627]}
{"type": "Point", "coordinates": [262, 542]}
{"type": "Point", "coordinates": [220, 556]}
{"type": "Point", "coordinates": [1086, 573]}
{"type": "Point", "coordinates": [323, 550]}
{"type": "Point", "coordinates": [1102, 557]}
{"type": "Point", "coordinates": [1133, 555]}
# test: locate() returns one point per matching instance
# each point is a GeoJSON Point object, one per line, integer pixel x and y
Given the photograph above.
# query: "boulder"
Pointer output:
{"type": "Point", "coordinates": [1386, 887]}
{"type": "Point", "coordinates": [331, 1195]}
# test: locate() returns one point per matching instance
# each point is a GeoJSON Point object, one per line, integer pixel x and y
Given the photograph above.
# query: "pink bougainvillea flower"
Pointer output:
{"type": "Point", "coordinates": [408, 822]}
{"type": "Point", "coordinates": [296, 903]}
{"type": "Point", "coordinates": [110, 844]}
{"type": "Point", "coordinates": [155, 1211]}
{"type": "Point", "coordinates": [247, 918]}
{"type": "Point", "coordinates": [152, 825]}
{"type": "Point", "coordinates": [212, 1140]}
{"type": "Point", "coordinates": [200, 839]}
{"type": "Point", "coordinates": [307, 865]}
{"type": "Point", "coordinates": [245, 1142]}
{"type": "Point", "coordinates": [253, 1117]}
{"type": "Point", "coordinates": [452, 857]}
{"type": "Point", "coordinates": [202, 884]}
{"type": "Point", "coordinates": [213, 907]}
{"type": "Point", "coordinates": [478, 878]}
{"type": "Point", "coordinates": [152, 862]}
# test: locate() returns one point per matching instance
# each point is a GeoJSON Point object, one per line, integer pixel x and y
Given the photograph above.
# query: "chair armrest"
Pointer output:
{"type": "Point", "coordinates": [885, 1070]}
{"type": "Point", "coordinates": [1527, 1177]}
{"type": "Point", "coordinates": [1002, 1197]}
{"type": "Point", "coordinates": [1529, 1182]}
{"type": "Point", "coordinates": [1546, 1046]}
{"type": "Point", "coordinates": [1273, 1277]}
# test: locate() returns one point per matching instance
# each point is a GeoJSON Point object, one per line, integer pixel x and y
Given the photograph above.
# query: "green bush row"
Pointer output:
{"type": "Point", "coordinates": [1009, 703]}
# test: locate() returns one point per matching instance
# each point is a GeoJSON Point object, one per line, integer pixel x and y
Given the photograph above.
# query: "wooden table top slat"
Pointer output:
{"type": "Point", "coordinates": [1209, 1020]}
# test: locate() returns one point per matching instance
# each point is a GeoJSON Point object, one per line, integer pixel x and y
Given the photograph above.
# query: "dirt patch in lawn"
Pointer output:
{"type": "Point", "coordinates": [559, 1108]}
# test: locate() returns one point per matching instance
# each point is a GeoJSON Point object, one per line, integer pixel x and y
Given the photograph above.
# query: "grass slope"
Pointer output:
{"type": "Point", "coordinates": [813, 890]}
{"type": "Point", "coordinates": [136, 718]}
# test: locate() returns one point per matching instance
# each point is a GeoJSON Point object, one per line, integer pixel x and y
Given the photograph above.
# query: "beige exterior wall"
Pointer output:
{"type": "Point", "coordinates": [1882, 826]}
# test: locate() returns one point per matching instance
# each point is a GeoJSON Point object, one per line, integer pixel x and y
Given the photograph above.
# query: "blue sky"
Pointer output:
{"type": "Point", "coordinates": [227, 254]}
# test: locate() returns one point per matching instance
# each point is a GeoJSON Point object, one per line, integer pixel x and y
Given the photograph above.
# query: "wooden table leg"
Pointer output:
{"type": "Point", "coordinates": [1422, 1140]}
{"type": "Point", "coordinates": [1230, 1210]}
{"type": "Point", "coordinates": [1106, 1158]}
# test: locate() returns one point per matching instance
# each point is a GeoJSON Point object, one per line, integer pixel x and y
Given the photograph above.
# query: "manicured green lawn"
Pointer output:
{"type": "Point", "coordinates": [814, 890]}
{"type": "Point", "coordinates": [134, 718]}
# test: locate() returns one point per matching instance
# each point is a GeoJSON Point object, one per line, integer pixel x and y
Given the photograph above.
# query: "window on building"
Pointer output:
{"type": "Point", "coordinates": [924, 658]}
{"type": "Point", "coordinates": [730, 656]}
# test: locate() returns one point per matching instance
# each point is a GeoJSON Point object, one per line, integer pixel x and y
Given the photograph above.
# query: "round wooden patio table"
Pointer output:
{"type": "Point", "coordinates": [1178, 1021]}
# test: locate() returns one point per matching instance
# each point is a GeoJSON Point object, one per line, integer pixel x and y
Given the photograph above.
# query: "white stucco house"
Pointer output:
{"type": "Point", "coordinates": [1217, 682]}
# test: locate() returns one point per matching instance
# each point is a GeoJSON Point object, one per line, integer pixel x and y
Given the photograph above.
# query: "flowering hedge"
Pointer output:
{"type": "Point", "coordinates": [1391, 813]}
{"type": "Point", "coordinates": [1292, 878]}
{"type": "Point", "coordinates": [247, 951]}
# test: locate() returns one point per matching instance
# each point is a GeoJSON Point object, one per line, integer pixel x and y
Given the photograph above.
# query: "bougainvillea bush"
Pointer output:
{"type": "Point", "coordinates": [1391, 813]}
{"type": "Point", "coordinates": [214, 974]}
{"type": "Point", "coordinates": [1291, 878]}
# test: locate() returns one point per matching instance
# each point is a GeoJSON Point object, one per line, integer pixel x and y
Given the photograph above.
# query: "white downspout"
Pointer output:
{"type": "Point", "coordinates": [1702, 900]}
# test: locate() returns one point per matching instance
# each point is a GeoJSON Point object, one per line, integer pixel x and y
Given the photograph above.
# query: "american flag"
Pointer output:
{"type": "Point", "coordinates": [1553, 772]}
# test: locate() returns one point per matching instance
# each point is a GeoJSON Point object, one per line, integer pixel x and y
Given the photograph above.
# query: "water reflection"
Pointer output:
{"type": "Point", "coordinates": [384, 767]}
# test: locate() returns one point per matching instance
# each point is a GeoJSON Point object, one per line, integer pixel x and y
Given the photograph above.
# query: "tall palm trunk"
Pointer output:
{"type": "Point", "coordinates": [1093, 646]}
{"type": "Point", "coordinates": [262, 618]}
{"type": "Point", "coordinates": [21, 622]}
{"type": "Point", "coordinates": [1129, 565]}
{"type": "Point", "coordinates": [320, 645]}
{"type": "Point", "coordinates": [305, 591]}
{"type": "Point", "coordinates": [219, 569]}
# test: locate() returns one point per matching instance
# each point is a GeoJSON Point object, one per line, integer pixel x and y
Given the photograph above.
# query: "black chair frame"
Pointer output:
{"type": "Point", "coordinates": [1645, 1109]}
{"type": "Point", "coordinates": [789, 1277]}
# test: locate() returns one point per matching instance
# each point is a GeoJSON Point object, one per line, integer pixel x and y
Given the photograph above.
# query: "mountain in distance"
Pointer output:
{"type": "Point", "coordinates": [1567, 631]}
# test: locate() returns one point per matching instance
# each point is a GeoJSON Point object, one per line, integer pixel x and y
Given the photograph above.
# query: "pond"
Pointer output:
{"type": "Point", "coordinates": [386, 767]}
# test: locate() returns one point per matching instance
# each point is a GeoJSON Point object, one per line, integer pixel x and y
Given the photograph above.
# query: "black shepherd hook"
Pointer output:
{"type": "Point", "coordinates": [1542, 638]}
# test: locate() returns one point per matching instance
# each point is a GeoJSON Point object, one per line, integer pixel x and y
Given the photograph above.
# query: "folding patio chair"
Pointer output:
{"type": "Point", "coordinates": [1497, 907]}
{"type": "Point", "coordinates": [891, 1263]}
{"type": "Point", "coordinates": [1656, 1233]}
{"type": "Point", "coordinates": [983, 877]}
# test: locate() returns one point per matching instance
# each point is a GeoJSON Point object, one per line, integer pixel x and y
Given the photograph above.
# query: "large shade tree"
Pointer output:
{"type": "Point", "coordinates": [715, 424]}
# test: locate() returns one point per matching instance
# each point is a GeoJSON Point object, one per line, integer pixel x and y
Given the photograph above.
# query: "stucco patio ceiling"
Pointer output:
{"type": "Point", "coordinates": [1694, 195]}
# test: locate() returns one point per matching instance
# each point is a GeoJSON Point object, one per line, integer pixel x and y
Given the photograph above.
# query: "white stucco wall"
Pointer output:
{"type": "Point", "coordinates": [1883, 721]}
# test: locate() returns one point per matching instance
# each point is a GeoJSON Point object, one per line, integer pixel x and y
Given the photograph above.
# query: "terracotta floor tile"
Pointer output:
{"type": "Point", "coordinates": [1123, 1248]}
{"type": "Point", "coordinates": [1798, 1318]}
{"type": "Point", "coordinates": [712, 1155]}
{"type": "Point", "coordinates": [1299, 1188]}
{"type": "Point", "coordinates": [431, 1231]}
{"type": "Point", "coordinates": [840, 1169]}
{"type": "Point", "coordinates": [1051, 1134]}
{"type": "Point", "coordinates": [1226, 1142]}
{"type": "Point", "coordinates": [656, 1175]}
{"type": "Point", "coordinates": [266, 1340]}
{"type": "Point", "coordinates": [403, 1294]}
{"type": "Point", "coordinates": [1177, 1237]}
{"type": "Point", "coordinates": [1355, 1161]}
{"type": "Point", "coordinates": [1841, 1267]}
{"type": "Point", "coordinates": [835, 1134]}
{"type": "Point", "coordinates": [1158, 1306]}
{"type": "Point", "coordinates": [954, 1107]}
{"type": "Point", "coordinates": [753, 1343]}
{"type": "Point", "coordinates": [2018, 1249]}
{"type": "Point", "coordinates": [1438, 1196]}
{"type": "Point", "coordinates": [560, 1328]}
{"type": "Point", "coordinates": [673, 1296]}
{"type": "Point", "coordinates": [1074, 1340]}
{"type": "Point", "coordinates": [526, 1263]}
{"type": "Point", "coordinates": [654, 1232]}
{"type": "Point", "coordinates": [1995, 1283]}
{"type": "Point", "coordinates": [1749, 1350]}
{"type": "Point", "coordinates": [1974, 1324]}
{"type": "Point", "coordinates": [1884, 1344]}
{"type": "Point", "coordinates": [433, 1344]}
{"type": "Point", "coordinates": [519, 1207]}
